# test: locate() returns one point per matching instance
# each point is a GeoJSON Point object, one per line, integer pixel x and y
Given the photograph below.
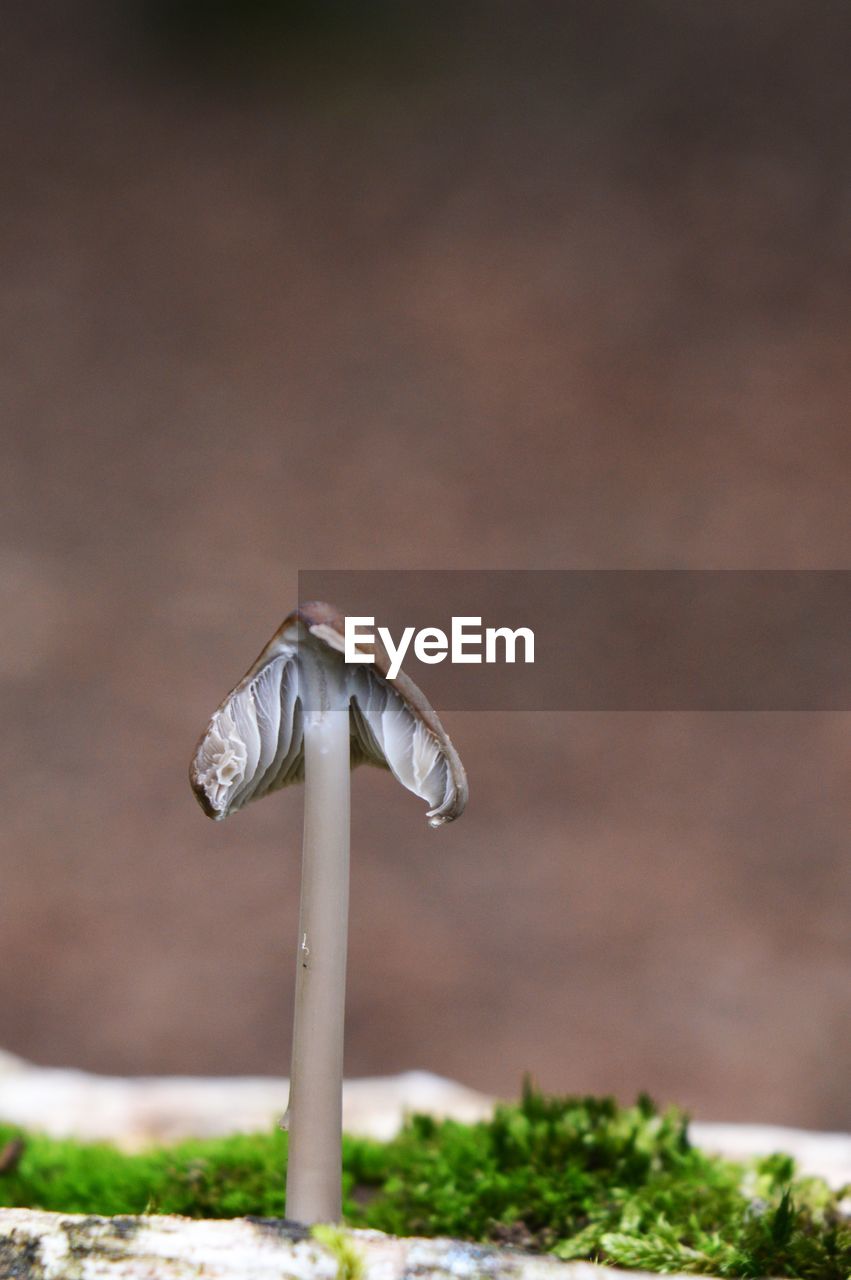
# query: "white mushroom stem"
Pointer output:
{"type": "Point", "coordinates": [314, 1170]}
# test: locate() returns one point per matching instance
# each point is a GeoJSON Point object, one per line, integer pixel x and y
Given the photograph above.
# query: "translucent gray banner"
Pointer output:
{"type": "Point", "coordinates": [620, 640]}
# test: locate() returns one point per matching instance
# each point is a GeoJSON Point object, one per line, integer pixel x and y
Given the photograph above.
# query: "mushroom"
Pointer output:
{"type": "Point", "coordinates": [301, 713]}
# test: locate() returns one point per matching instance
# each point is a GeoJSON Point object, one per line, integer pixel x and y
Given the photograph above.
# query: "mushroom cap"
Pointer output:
{"type": "Point", "coordinates": [254, 742]}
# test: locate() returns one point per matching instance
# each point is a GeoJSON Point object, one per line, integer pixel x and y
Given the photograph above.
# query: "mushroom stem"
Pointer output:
{"type": "Point", "coordinates": [314, 1167]}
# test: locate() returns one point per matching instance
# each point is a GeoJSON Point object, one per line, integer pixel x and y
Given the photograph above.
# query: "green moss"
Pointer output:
{"type": "Point", "coordinates": [218, 1178]}
{"type": "Point", "coordinates": [350, 1264]}
{"type": "Point", "coordinates": [582, 1178]}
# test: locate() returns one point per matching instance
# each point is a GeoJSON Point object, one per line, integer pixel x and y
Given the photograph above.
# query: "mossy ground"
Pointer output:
{"type": "Point", "coordinates": [583, 1178]}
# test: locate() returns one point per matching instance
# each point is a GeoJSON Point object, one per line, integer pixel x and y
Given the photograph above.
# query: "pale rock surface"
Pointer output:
{"type": "Point", "coordinates": [136, 1111]}
{"type": "Point", "coordinates": [823, 1155]}
{"type": "Point", "coordinates": [9, 1064]}
{"type": "Point", "coordinates": [50, 1246]}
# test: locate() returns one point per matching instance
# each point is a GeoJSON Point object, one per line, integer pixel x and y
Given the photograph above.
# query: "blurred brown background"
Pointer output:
{"type": "Point", "coordinates": [386, 286]}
